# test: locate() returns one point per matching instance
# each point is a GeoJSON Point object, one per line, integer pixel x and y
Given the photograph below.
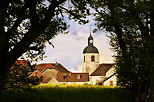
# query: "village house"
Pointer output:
{"type": "Point", "coordinates": [55, 73]}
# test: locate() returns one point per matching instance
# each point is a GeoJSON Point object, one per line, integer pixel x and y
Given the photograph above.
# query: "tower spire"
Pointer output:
{"type": "Point", "coordinates": [90, 39]}
{"type": "Point", "coordinates": [90, 30]}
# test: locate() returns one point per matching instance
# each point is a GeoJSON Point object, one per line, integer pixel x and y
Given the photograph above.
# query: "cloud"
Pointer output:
{"type": "Point", "coordinates": [69, 47]}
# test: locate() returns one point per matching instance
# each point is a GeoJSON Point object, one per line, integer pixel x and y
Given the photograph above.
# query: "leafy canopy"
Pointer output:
{"type": "Point", "coordinates": [26, 25]}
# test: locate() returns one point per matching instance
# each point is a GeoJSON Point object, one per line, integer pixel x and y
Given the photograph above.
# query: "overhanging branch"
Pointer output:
{"type": "Point", "coordinates": [71, 13]}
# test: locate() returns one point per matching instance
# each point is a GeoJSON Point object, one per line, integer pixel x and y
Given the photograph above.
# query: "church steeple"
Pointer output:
{"type": "Point", "coordinates": [90, 57]}
{"type": "Point", "coordinates": [90, 48]}
{"type": "Point", "coordinates": [90, 40]}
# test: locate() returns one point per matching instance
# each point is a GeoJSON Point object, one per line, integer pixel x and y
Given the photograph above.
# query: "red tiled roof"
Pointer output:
{"type": "Point", "coordinates": [73, 77]}
{"type": "Point", "coordinates": [60, 68]}
{"type": "Point", "coordinates": [102, 69]}
{"type": "Point", "coordinates": [20, 63]}
{"type": "Point", "coordinates": [57, 66]}
{"type": "Point", "coordinates": [42, 67]}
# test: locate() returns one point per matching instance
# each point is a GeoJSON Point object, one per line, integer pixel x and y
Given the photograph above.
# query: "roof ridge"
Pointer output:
{"type": "Point", "coordinates": [109, 77]}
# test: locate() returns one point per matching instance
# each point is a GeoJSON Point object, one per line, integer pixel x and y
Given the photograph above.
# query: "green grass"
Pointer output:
{"type": "Point", "coordinates": [65, 93]}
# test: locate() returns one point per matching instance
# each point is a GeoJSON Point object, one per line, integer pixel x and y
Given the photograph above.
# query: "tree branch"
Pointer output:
{"type": "Point", "coordinates": [118, 29]}
{"type": "Point", "coordinates": [61, 1]}
{"type": "Point", "coordinates": [134, 14]}
{"type": "Point", "coordinates": [71, 13]}
{"type": "Point", "coordinates": [34, 18]}
{"type": "Point", "coordinates": [49, 14]}
{"type": "Point", "coordinates": [20, 18]}
{"type": "Point", "coordinates": [36, 48]}
{"type": "Point", "coordinates": [3, 11]}
{"type": "Point", "coordinates": [22, 46]}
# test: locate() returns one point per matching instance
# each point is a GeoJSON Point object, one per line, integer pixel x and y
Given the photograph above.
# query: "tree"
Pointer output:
{"type": "Point", "coordinates": [21, 77]}
{"type": "Point", "coordinates": [131, 24]}
{"type": "Point", "coordinates": [26, 25]}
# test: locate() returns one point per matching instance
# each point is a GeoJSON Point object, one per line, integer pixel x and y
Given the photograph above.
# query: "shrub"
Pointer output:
{"type": "Point", "coordinates": [20, 78]}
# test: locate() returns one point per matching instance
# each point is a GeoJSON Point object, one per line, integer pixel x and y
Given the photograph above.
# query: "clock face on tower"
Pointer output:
{"type": "Point", "coordinates": [91, 41]}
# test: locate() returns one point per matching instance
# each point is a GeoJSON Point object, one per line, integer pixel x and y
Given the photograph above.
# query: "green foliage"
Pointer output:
{"type": "Point", "coordinates": [131, 24]}
{"type": "Point", "coordinates": [134, 66]}
{"type": "Point", "coordinates": [41, 20]}
{"type": "Point", "coordinates": [128, 21]}
{"type": "Point", "coordinates": [27, 25]}
{"type": "Point", "coordinates": [20, 78]}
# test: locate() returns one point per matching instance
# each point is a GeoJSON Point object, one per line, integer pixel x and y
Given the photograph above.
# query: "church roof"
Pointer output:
{"type": "Point", "coordinates": [90, 49]}
{"type": "Point", "coordinates": [90, 37]}
{"type": "Point", "coordinates": [102, 69]}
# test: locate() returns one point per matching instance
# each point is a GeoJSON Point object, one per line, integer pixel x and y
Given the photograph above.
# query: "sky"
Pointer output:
{"type": "Point", "coordinates": [68, 48]}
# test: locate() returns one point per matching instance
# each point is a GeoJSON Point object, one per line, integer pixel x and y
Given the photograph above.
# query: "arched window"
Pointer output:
{"type": "Point", "coordinates": [84, 59]}
{"type": "Point", "coordinates": [92, 58]}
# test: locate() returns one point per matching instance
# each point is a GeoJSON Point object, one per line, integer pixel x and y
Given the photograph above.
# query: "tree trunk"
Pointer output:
{"type": "Point", "coordinates": [152, 51]}
{"type": "Point", "coordinates": [140, 92]}
{"type": "Point", "coordinates": [4, 70]}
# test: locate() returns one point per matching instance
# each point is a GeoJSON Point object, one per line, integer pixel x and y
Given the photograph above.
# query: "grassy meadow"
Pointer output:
{"type": "Point", "coordinates": [68, 93]}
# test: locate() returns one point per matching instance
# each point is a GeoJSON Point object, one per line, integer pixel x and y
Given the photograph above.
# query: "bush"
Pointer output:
{"type": "Point", "coordinates": [20, 78]}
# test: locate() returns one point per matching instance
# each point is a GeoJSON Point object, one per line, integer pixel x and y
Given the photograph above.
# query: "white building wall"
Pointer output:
{"type": "Point", "coordinates": [95, 79]}
{"type": "Point", "coordinates": [53, 81]}
{"type": "Point", "coordinates": [113, 79]}
{"type": "Point", "coordinates": [88, 66]}
{"type": "Point", "coordinates": [110, 71]}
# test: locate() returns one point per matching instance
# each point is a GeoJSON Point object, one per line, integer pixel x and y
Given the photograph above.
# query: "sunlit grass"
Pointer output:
{"type": "Point", "coordinates": [71, 86]}
{"type": "Point", "coordinates": [69, 93]}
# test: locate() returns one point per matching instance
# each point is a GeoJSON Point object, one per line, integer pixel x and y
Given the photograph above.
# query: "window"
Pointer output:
{"type": "Point", "coordinates": [92, 58]}
{"type": "Point", "coordinates": [111, 83]}
{"type": "Point", "coordinates": [65, 76]}
{"type": "Point", "coordinates": [84, 59]}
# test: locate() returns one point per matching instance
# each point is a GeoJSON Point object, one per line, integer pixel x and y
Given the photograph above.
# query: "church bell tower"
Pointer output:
{"type": "Point", "coordinates": [90, 57]}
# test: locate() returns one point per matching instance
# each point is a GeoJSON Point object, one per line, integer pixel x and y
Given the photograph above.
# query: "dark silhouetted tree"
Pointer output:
{"type": "Point", "coordinates": [131, 24]}
{"type": "Point", "coordinates": [26, 25]}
